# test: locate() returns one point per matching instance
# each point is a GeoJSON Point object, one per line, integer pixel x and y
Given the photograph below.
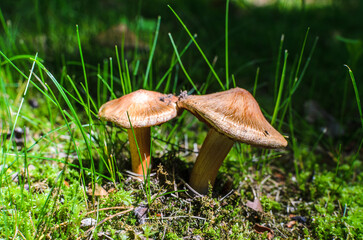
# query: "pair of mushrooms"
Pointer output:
{"type": "Point", "coordinates": [232, 115]}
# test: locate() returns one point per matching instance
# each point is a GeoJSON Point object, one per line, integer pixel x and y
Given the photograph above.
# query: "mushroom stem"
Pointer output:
{"type": "Point", "coordinates": [214, 150]}
{"type": "Point", "coordinates": [142, 136]}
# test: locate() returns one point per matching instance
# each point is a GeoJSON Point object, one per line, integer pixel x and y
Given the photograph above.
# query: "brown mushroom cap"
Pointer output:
{"type": "Point", "coordinates": [145, 109]}
{"type": "Point", "coordinates": [236, 114]}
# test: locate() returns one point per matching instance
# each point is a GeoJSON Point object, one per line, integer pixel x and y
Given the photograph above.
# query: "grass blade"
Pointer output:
{"type": "Point", "coordinates": [173, 63]}
{"type": "Point", "coordinates": [297, 83]}
{"type": "Point", "coordinates": [200, 50]}
{"type": "Point", "coordinates": [127, 77]}
{"type": "Point", "coordinates": [256, 80]}
{"type": "Point", "coordinates": [181, 64]}
{"type": "Point", "coordinates": [111, 75]}
{"type": "Point", "coordinates": [120, 71]}
{"type": "Point", "coordinates": [226, 44]}
{"type": "Point", "coordinates": [88, 110]}
{"type": "Point", "coordinates": [152, 52]}
{"type": "Point", "coordinates": [356, 94]}
{"type": "Point", "coordinates": [22, 99]}
{"type": "Point", "coordinates": [301, 54]}
{"type": "Point", "coordinates": [282, 80]}
{"type": "Point", "coordinates": [234, 81]}
{"type": "Point", "coordinates": [277, 71]}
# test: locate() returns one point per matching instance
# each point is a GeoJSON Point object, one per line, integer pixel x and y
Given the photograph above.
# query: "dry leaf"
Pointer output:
{"type": "Point", "coordinates": [99, 191]}
{"type": "Point", "coordinates": [255, 205]}
{"type": "Point", "coordinates": [290, 224]}
{"type": "Point", "coordinates": [279, 177]}
{"type": "Point", "coordinates": [112, 190]}
{"type": "Point", "coordinates": [262, 229]}
{"type": "Point", "coordinates": [66, 183]}
{"type": "Point", "coordinates": [140, 213]}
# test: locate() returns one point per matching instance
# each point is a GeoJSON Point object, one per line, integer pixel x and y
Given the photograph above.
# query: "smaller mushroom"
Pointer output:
{"type": "Point", "coordinates": [232, 115]}
{"type": "Point", "coordinates": [145, 109]}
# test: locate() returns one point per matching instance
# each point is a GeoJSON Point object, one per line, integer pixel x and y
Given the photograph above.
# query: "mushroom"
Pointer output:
{"type": "Point", "coordinates": [145, 109]}
{"type": "Point", "coordinates": [232, 115]}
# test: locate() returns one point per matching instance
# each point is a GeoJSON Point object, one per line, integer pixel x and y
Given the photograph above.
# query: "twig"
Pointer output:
{"type": "Point", "coordinates": [21, 234]}
{"type": "Point", "coordinates": [252, 188]}
{"type": "Point", "coordinates": [264, 180]}
{"type": "Point", "coordinates": [59, 225]}
{"type": "Point", "coordinates": [105, 220]}
{"type": "Point", "coordinates": [281, 233]}
{"type": "Point", "coordinates": [164, 233]}
{"type": "Point", "coordinates": [262, 183]}
{"type": "Point", "coordinates": [227, 195]}
{"type": "Point", "coordinates": [105, 235]}
{"type": "Point", "coordinates": [137, 176]}
{"type": "Point", "coordinates": [109, 208]}
{"type": "Point", "coordinates": [190, 188]}
{"type": "Point", "coordinates": [84, 195]}
{"type": "Point", "coordinates": [16, 232]}
{"type": "Point", "coordinates": [40, 81]}
{"type": "Point", "coordinates": [174, 183]}
{"type": "Point", "coordinates": [175, 217]}
{"type": "Point", "coordinates": [31, 221]}
{"type": "Point", "coordinates": [186, 144]}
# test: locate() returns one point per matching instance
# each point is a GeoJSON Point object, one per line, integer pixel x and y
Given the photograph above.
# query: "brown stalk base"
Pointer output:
{"type": "Point", "coordinates": [214, 150]}
{"type": "Point", "coordinates": [143, 141]}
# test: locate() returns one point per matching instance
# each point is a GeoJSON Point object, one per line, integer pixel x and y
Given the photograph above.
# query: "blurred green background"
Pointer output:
{"type": "Point", "coordinates": [255, 30]}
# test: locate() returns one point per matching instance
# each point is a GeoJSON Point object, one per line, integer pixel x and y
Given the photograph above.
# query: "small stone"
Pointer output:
{"type": "Point", "coordinates": [15, 177]}
{"type": "Point", "coordinates": [300, 219]}
{"type": "Point", "coordinates": [140, 213]}
{"type": "Point", "coordinates": [88, 222]}
{"type": "Point", "coordinates": [33, 103]}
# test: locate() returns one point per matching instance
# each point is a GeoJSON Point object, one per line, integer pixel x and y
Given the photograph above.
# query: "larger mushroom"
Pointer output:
{"type": "Point", "coordinates": [145, 109]}
{"type": "Point", "coordinates": [232, 115]}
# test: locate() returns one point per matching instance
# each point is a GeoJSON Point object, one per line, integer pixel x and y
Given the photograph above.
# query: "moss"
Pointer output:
{"type": "Point", "coordinates": [269, 204]}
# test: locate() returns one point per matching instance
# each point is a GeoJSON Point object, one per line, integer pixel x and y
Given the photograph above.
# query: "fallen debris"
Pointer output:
{"type": "Point", "coordinates": [262, 229]}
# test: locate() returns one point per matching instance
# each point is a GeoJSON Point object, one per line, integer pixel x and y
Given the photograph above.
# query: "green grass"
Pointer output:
{"type": "Point", "coordinates": [49, 174]}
